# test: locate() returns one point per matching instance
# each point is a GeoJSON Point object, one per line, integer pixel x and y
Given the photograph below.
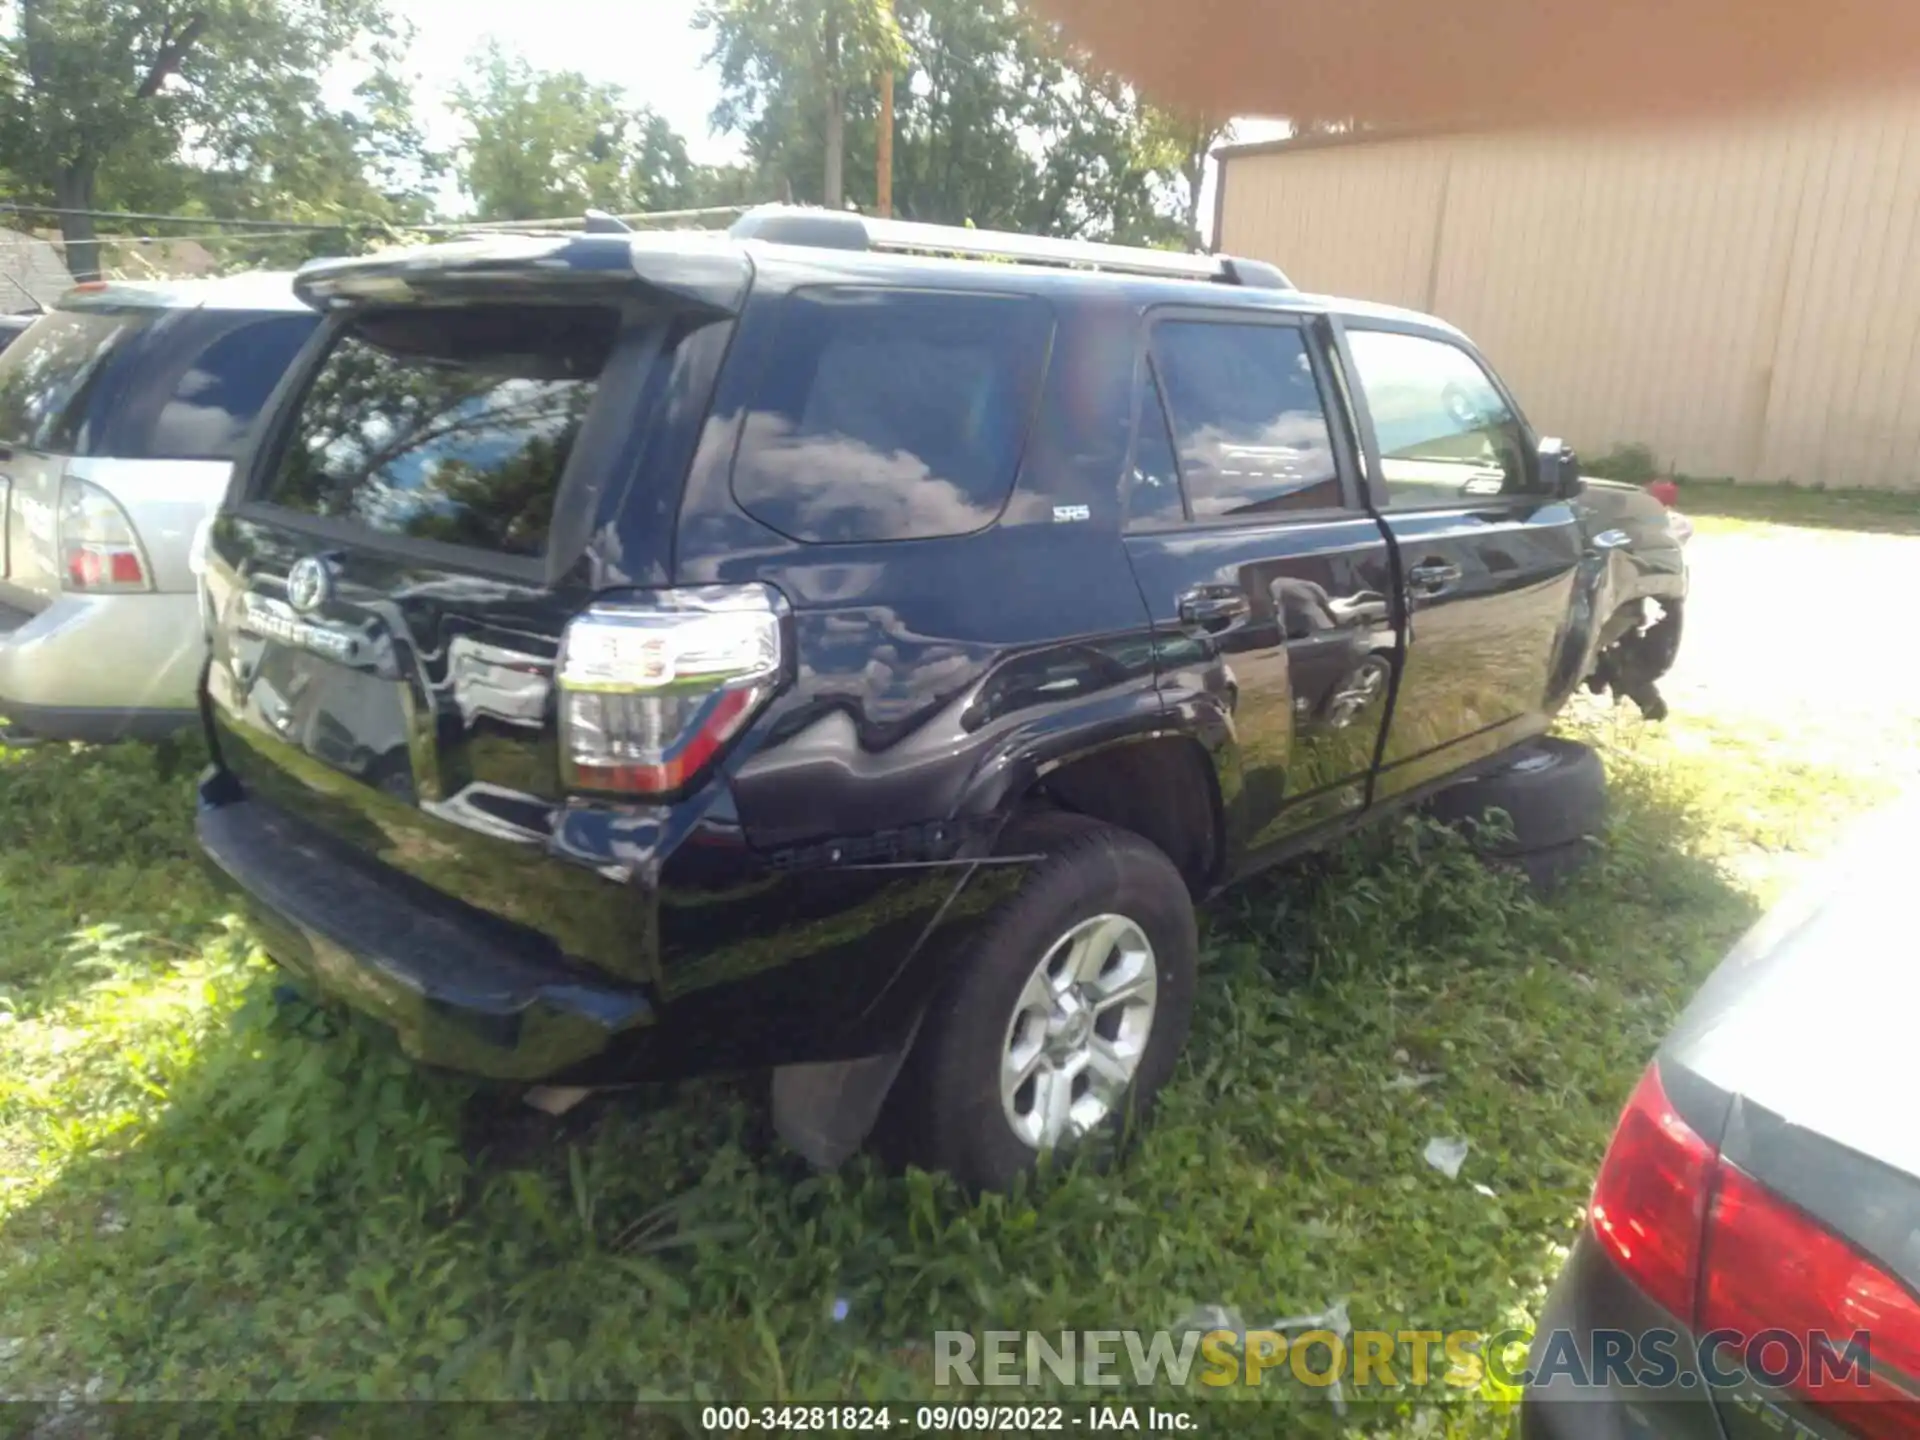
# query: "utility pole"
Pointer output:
{"type": "Point", "coordinates": [883, 146]}
{"type": "Point", "coordinates": [883, 143]}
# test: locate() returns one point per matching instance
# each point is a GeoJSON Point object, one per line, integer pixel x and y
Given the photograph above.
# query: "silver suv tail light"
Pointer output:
{"type": "Point", "coordinates": [99, 553]}
{"type": "Point", "coordinates": [651, 690]}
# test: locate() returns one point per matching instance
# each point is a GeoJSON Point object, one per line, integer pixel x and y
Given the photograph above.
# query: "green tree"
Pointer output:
{"type": "Point", "coordinates": [1179, 145]}
{"type": "Point", "coordinates": [110, 101]}
{"type": "Point", "coordinates": [1000, 122]}
{"type": "Point", "coordinates": [796, 64]}
{"type": "Point", "coordinates": [544, 144]}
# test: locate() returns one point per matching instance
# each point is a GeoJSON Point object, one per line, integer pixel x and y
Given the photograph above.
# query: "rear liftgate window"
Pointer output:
{"type": "Point", "coordinates": [145, 384]}
{"type": "Point", "coordinates": [448, 425]}
{"type": "Point", "coordinates": [891, 415]}
{"type": "Point", "coordinates": [46, 374]}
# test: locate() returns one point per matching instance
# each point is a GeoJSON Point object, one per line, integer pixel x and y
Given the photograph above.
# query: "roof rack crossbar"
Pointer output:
{"type": "Point", "coordinates": [828, 229]}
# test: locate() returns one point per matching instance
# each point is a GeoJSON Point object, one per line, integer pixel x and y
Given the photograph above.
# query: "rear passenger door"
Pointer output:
{"type": "Point", "coordinates": [1487, 558]}
{"type": "Point", "coordinates": [1268, 583]}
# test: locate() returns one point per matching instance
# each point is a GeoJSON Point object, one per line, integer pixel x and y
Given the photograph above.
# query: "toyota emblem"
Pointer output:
{"type": "Point", "coordinates": [309, 585]}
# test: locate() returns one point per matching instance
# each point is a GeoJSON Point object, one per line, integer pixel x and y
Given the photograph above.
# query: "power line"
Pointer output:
{"type": "Point", "coordinates": [432, 227]}
{"type": "Point", "coordinates": [203, 239]}
{"type": "Point", "coordinates": [575, 220]}
{"type": "Point", "coordinates": [146, 218]}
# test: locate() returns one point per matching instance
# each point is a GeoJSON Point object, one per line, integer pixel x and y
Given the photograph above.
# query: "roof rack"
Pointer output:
{"type": "Point", "coordinates": [838, 230]}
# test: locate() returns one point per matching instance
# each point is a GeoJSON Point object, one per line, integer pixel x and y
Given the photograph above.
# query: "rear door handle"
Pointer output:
{"type": "Point", "coordinates": [1212, 611]}
{"type": "Point", "coordinates": [1433, 577]}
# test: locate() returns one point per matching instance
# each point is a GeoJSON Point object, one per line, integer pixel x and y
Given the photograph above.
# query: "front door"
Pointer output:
{"type": "Point", "coordinates": [1268, 582]}
{"type": "Point", "coordinates": [1487, 561]}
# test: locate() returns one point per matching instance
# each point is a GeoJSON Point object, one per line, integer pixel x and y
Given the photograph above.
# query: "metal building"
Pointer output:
{"type": "Point", "coordinates": [1742, 296]}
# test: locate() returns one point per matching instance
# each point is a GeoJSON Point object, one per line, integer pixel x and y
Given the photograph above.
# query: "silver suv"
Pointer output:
{"type": "Point", "coordinates": [121, 412]}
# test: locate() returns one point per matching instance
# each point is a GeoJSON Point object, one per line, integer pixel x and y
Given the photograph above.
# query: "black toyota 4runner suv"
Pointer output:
{"type": "Point", "coordinates": [852, 648]}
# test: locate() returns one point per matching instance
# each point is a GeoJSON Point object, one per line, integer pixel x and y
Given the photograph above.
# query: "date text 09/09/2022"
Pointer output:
{"type": "Point", "coordinates": [943, 1419]}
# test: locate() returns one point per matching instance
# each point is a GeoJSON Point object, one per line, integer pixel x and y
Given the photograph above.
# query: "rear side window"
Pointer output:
{"type": "Point", "coordinates": [448, 425]}
{"type": "Point", "coordinates": [209, 410]}
{"type": "Point", "coordinates": [891, 415]}
{"type": "Point", "coordinates": [1248, 421]}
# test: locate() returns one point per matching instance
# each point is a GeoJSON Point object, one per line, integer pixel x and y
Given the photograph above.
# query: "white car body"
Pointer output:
{"type": "Point", "coordinates": [170, 375]}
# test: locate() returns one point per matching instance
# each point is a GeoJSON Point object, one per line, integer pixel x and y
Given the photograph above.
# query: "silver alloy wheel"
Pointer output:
{"type": "Point", "coordinates": [1078, 1031]}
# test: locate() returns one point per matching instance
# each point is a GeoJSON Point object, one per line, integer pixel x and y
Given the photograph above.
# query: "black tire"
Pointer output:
{"type": "Point", "coordinates": [1547, 870]}
{"type": "Point", "coordinates": [1553, 792]}
{"type": "Point", "coordinates": [946, 1110]}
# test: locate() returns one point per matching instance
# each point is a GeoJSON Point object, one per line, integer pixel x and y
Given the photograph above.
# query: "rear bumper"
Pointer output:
{"type": "Point", "coordinates": [1655, 1387]}
{"type": "Point", "coordinates": [102, 667]}
{"type": "Point", "coordinates": [457, 989]}
{"type": "Point", "coordinates": [703, 956]}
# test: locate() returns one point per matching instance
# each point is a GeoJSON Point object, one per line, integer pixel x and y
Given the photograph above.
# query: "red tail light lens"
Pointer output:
{"type": "Point", "coordinates": [653, 689]}
{"type": "Point", "coordinates": [99, 549]}
{"type": "Point", "coordinates": [1650, 1202]}
{"type": "Point", "coordinates": [1769, 1267]}
{"type": "Point", "coordinates": [1753, 1264]}
{"type": "Point", "coordinates": [1666, 492]}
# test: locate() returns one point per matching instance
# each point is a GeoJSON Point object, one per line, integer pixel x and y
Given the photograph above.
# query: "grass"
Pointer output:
{"type": "Point", "coordinates": [208, 1195]}
{"type": "Point", "coordinates": [1725, 505]}
{"type": "Point", "coordinates": [1722, 505]}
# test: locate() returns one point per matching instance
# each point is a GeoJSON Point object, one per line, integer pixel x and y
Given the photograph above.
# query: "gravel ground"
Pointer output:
{"type": "Point", "coordinates": [1806, 630]}
{"type": "Point", "coordinates": [1797, 648]}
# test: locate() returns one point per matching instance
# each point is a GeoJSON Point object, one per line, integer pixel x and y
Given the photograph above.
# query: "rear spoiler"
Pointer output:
{"type": "Point", "coordinates": [689, 270]}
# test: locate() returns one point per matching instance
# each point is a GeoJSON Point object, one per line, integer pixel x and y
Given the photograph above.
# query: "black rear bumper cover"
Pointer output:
{"type": "Point", "coordinates": [456, 992]}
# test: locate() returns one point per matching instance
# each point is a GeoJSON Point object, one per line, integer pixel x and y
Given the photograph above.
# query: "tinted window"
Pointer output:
{"type": "Point", "coordinates": [1153, 489]}
{"type": "Point", "coordinates": [210, 409]}
{"type": "Point", "coordinates": [1445, 433]}
{"type": "Point", "coordinates": [45, 375]}
{"type": "Point", "coordinates": [891, 415]}
{"type": "Point", "coordinates": [145, 384]}
{"type": "Point", "coordinates": [1247, 417]}
{"type": "Point", "coordinates": [446, 425]}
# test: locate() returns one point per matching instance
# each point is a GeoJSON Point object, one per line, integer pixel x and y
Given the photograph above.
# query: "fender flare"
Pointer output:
{"type": "Point", "coordinates": [1595, 597]}
{"type": "Point", "coordinates": [1029, 753]}
{"type": "Point", "coordinates": [826, 1111]}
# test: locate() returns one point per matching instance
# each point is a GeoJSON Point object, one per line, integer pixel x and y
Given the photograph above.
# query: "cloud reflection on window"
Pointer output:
{"type": "Point", "coordinates": [1249, 425]}
{"type": "Point", "coordinates": [891, 415]}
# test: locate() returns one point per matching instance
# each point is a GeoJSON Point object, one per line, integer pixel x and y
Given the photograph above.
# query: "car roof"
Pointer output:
{"type": "Point", "coordinates": [791, 264]}
{"type": "Point", "coordinates": [254, 290]}
{"type": "Point", "coordinates": [1142, 291]}
{"type": "Point", "coordinates": [1389, 314]}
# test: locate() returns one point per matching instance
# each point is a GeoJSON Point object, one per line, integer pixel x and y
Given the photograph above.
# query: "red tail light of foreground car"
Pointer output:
{"type": "Point", "coordinates": [1722, 1252]}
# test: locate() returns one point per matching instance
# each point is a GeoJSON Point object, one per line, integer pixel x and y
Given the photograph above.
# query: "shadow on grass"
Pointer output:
{"type": "Point", "coordinates": [1873, 512]}
{"type": "Point", "coordinates": [245, 1202]}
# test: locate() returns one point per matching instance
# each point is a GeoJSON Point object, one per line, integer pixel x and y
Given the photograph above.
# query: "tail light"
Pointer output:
{"type": "Point", "coordinates": [1719, 1250]}
{"type": "Point", "coordinates": [1650, 1202]}
{"type": "Point", "coordinates": [651, 690]}
{"type": "Point", "coordinates": [1666, 492]}
{"type": "Point", "coordinates": [99, 552]}
{"type": "Point", "coordinates": [1769, 1267]}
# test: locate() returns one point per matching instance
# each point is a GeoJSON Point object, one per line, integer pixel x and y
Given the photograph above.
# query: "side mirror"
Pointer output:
{"type": "Point", "coordinates": [1559, 470]}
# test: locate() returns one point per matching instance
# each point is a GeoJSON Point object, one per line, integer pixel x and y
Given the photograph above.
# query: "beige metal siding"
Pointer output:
{"type": "Point", "coordinates": [1743, 297]}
